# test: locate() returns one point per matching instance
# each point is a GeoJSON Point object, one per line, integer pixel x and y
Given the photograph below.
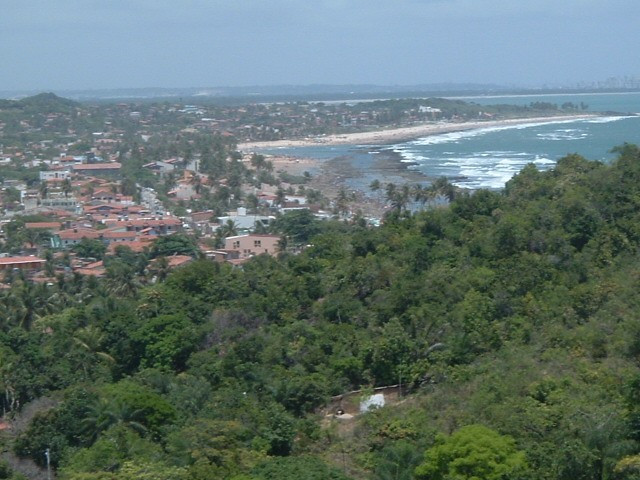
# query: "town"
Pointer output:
{"type": "Point", "coordinates": [152, 183]}
{"type": "Point", "coordinates": [83, 184]}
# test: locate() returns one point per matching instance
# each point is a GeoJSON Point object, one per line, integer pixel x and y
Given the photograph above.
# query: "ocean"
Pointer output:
{"type": "Point", "coordinates": [489, 157]}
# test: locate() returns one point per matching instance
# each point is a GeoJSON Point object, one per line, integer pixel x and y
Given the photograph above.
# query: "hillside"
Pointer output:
{"type": "Point", "coordinates": [40, 103]}
{"type": "Point", "coordinates": [515, 310]}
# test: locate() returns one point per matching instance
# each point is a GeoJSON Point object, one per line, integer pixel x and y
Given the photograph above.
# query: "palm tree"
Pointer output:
{"type": "Point", "coordinates": [44, 189]}
{"type": "Point", "coordinates": [398, 197]}
{"type": "Point", "coordinates": [257, 161]}
{"type": "Point", "coordinates": [252, 202]}
{"type": "Point", "coordinates": [67, 188]}
{"type": "Point", "coordinates": [443, 187]}
{"type": "Point", "coordinates": [283, 244]}
{"type": "Point", "coordinates": [28, 304]}
{"type": "Point", "coordinates": [342, 202]}
{"type": "Point", "coordinates": [260, 228]}
{"type": "Point", "coordinates": [21, 303]}
{"type": "Point", "coordinates": [90, 340]}
{"type": "Point", "coordinates": [109, 412]}
{"type": "Point", "coordinates": [49, 266]}
{"type": "Point", "coordinates": [390, 191]}
{"type": "Point", "coordinates": [121, 281]}
{"type": "Point", "coordinates": [405, 196]}
{"type": "Point", "coordinates": [229, 229]}
{"type": "Point", "coordinates": [161, 268]}
{"type": "Point", "coordinates": [196, 182]}
{"type": "Point", "coordinates": [223, 195]}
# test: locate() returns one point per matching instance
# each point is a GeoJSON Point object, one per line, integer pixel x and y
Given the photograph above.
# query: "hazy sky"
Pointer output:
{"type": "Point", "coordinates": [84, 44]}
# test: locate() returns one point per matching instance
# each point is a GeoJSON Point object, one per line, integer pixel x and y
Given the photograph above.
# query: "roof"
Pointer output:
{"type": "Point", "coordinates": [177, 260]}
{"type": "Point", "coordinates": [78, 233]}
{"type": "Point", "coordinates": [98, 264]}
{"type": "Point", "coordinates": [253, 235]}
{"type": "Point", "coordinates": [90, 208]}
{"type": "Point", "coordinates": [56, 212]}
{"type": "Point", "coordinates": [111, 235]}
{"type": "Point", "coordinates": [136, 246]}
{"type": "Point", "coordinates": [145, 222]}
{"type": "Point", "coordinates": [20, 260]}
{"type": "Point", "coordinates": [47, 225]}
{"type": "Point", "coordinates": [95, 272]}
{"type": "Point", "coordinates": [97, 166]}
{"type": "Point", "coordinates": [103, 190]}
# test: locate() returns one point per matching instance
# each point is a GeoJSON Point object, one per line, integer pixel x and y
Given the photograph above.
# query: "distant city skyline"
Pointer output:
{"type": "Point", "coordinates": [100, 44]}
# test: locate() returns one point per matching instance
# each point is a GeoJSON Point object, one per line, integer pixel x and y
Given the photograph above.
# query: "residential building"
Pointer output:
{"type": "Point", "coordinates": [253, 244]}
{"type": "Point", "coordinates": [22, 263]}
{"type": "Point", "coordinates": [244, 221]}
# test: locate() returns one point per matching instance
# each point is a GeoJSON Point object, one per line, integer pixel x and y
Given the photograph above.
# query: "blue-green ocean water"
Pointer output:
{"type": "Point", "coordinates": [489, 157]}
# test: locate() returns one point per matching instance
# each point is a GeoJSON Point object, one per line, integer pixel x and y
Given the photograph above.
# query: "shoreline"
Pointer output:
{"type": "Point", "coordinates": [334, 174]}
{"type": "Point", "coordinates": [402, 134]}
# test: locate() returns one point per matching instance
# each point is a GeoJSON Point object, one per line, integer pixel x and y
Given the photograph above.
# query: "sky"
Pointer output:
{"type": "Point", "coordinates": [103, 44]}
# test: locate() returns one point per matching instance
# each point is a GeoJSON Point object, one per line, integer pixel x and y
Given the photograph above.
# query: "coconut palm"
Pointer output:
{"type": "Point", "coordinates": [229, 229]}
{"type": "Point", "coordinates": [108, 412]}
{"type": "Point", "coordinates": [44, 189]}
{"type": "Point", "coordinates": [90, 338]}
{"type": "Point", "coordinates": [121, 280]}
{"type": "Point", "coordinates": [161, 268]}
{"type": "Point", "coordinates": [27, 305]}
{"type": "Point", "coordinates": [67, 188]}
{"type": "Point", "coordinates": [280, 196]}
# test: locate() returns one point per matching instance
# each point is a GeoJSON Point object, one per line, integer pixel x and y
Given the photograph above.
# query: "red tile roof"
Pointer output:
{"type": "Point", "coordinates": [136, 246]}
{"type": "Point", "coordinates": [46, 225]}
{"type": "Point", "coordinates": [145, 222]}
{"type": "Point", "coordinates": [94, 272]}
{"type": "Point", "coordinates": [114, 235]}
{"type": "Point", "coordinates": [20, 260]}
{"type": "Point", "coordinates": [78, 234]}
{"type": "Point", "coordinates": [97, 264]}
{"type": "Point", "coordinates": [176, 260]}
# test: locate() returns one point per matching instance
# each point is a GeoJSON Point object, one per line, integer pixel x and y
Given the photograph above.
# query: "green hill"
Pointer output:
{"type": "Point", "coordinates": [515, 310]}
{"type": "Point", "coordinates": [41, 103]}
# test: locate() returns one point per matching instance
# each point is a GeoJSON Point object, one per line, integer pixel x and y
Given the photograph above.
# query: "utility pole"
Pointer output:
{"type": "Point", "coordinates": [46, 454]}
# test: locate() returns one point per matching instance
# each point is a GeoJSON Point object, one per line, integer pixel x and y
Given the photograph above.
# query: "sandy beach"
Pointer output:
{"type": "Point", "coordinates": [395, 135]}
{"type": "Point", "coordinates": [330, 176]}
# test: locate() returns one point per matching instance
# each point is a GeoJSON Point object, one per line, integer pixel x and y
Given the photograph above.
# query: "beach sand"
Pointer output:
{"type": "Point", "coordinates": [292, 165]}
{"type": "Point", "coordinates": [396, 135]}
{"type": "Point", "coordinates": [330, 176]}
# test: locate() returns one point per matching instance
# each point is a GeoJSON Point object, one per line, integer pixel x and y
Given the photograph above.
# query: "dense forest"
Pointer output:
{"type": "Point", "coordinates": [511, 317]}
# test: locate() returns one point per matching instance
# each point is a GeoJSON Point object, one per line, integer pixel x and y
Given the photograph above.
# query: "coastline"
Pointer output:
{"type": "Point", "coordinates": [332, 175]}
{"type": "Point", "coordinates": [401, 134]}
